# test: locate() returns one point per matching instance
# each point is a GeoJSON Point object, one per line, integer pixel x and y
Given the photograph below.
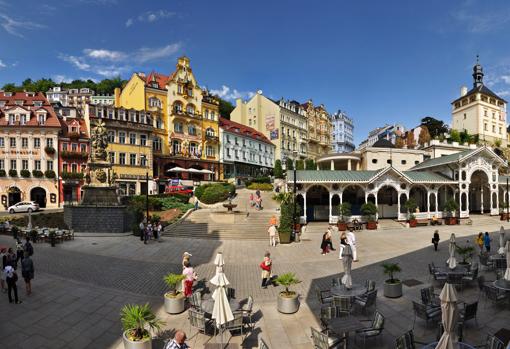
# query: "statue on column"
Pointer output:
{"type": "Point", "coordinates": [99, 142]}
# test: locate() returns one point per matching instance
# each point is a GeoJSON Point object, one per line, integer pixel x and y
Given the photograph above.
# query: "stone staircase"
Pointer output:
{"type": "Point", "coordinates": [246, 223]}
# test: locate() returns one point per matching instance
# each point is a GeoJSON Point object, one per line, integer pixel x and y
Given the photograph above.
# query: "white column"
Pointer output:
{"type": "Point", "coordinates": [398, 205]}
{"type": "Point", "coordinates": [436, 200]}
{"type": "Point", "coordinates": [332, 165]}
{"type": "Point", "coordinates": [428, 204]}
{"type": "Point", "coordinates": [317, 167]}
{"type": "Point", "coordinates": [304, 204]}
{"type": "Point", "coordinates": [349, 165]}
{"type": "Point", "coordinates": [481, 200]}
{"type": "Point", "coordinates": [330, 206]}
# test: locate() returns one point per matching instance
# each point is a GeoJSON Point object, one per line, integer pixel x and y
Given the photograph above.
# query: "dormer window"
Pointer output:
{"type": "Point", "coordinates": [38, 104]}
{"type": "Point", "coordinates": [2, 104]}
{"type": "Point", "coordinates": [30, 94]}
{"type": "Point", "coordinates": [110, 114]}
{"type": "Point", "coordinates": [132, 117]}
{"type": "Point", "coordinates": [155, 84]}
{"type": "Point", "coordinates": [23, 119]}
{"type": "Point", "coordinates": [8, 94]}
{"type": "Point", "coordinates": [41, 119]}
{"type": "Point", "coordinates": [142, 118]}
{"type": "Point", "coordinates": [12, 119]}
{"type": "Point", "coordinates": [19, 102]}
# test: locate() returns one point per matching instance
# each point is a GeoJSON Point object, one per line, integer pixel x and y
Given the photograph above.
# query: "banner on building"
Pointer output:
{"type": "Point", "coordinates": [270, 123]}
{"type": "Point", "coordinates": [273, 134]}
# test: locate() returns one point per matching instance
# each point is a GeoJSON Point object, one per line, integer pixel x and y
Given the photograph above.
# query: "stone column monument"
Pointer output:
{"type": "Point", "coordinates": [100, 210]}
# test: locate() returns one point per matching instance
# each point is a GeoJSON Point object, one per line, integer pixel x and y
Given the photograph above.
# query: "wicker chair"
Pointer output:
{"type": "Point", "coordinates": [428, 297]}
{"type": "Point", "coordinates": [323, 340]}
{"type": "Point", "coordinates": [426, 313]}
{"type": "Point", "coordinates": [407, 341]}
{"type": "Point", "coordinates": [375, 329]}
{"type": "Point", "coordinates": [343, 305]}
{"type": "Point", "coordinates": [324, 297]}
{"type": "Point", "coordinates": [367, 301]}
{"type": "Point", "coordinates": [469, 312]}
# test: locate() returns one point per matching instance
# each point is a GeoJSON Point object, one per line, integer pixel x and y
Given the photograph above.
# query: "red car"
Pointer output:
{"type": "Point", "coordinates": [179, 189]}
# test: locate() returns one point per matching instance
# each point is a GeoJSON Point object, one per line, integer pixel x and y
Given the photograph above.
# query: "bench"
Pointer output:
{"type": "Point", "coordinates": [422, 222]}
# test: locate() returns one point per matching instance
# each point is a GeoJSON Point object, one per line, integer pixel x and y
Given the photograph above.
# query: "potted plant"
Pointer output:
{"type": "Point", "coordinates": [53, 237]}
{"type": "Point", "coordinates": [174, 300]}
{"type": "Point", "coordinates": [411, 206]}
{"type": "Point", "coordinates": [392, 286]}
{"type": "Point", "coordinates": [465, 252]}
{"type": "Point", "coordinates": [369, 210]}
{"type": "Point", "coordinates": [503, 210]}
{"type": "Point", "coordinates": [344, 212]}
{"type": "Point", "coordinates": [49, 150]}
{"type": "Point", "coordinates": [451, 206]}
{"type": "Point", "coordinates": [288, 301]}
{"type": "Point", "coordinates": [137, 321]}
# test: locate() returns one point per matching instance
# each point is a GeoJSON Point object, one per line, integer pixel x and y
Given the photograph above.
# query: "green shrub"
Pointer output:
{"type": "Point", "coordinates": [13, 173]}
{"type": "Point", "coordinates": [286, 280]}
{"type": "Point", "coordinates": [25, 173]}
{"type": "Point", "coordinates": [369, 210]}
{"type": "Point", "coordinates": [172, 281]}
{"type": "Point", "coordinates": [72, 175]}
{"type": "Point", "coordinates": [287, 213]}
{"type": "Point", "coordinates": [37, 173]}
{"type": "Point", "coordinates": [199, 191]}
{"type": "Point", "coordinates": [2, 173]}
{"type": "Point", "coordinates": [137, 320]}
{"type": "Point", "coordinates": [278, 170]}
{"type": "Point", "coordinates": [261, 186]}
{"type": "Point", "coordinates": [49, 174]}
{"type": "Point", "coordinates": [214, 194]}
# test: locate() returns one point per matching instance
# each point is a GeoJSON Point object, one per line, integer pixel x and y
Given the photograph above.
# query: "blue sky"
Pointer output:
{"type": "Point", "coordinates": [381, 61]}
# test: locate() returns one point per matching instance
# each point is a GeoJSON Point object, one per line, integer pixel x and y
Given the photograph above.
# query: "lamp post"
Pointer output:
{"type": "Point", "coordinates": [295, 153]}
{"type": "Point", "coordinates": [143, 160]}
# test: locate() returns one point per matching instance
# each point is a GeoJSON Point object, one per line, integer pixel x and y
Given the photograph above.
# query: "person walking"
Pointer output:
{"type": "Point", "coordinates": [3, 258]}
{"type": "Point", "coordinates": [11, 278]}
{"type": "Point", "coordinates": [28, 248]}
{"type": "Point", "coordinates": [330, 238]}
{"type": "Point", "coordinates": [343, 243]}
{"type": "Point", "coordinates": [325, 243]}
{"type": "Point", "coordinates": [185, 258]}
{"type": "Point", "coordinates": [273, 221]}
{"type": "Point", "coordinates": [19, 250]}
{"type": "Point", "coordinates": [479, 241]}
{"type": "Point", "coordinates": [11, 259]}
{"type": "Point", "coordinates": [178, 342]}
{"type": "Point", "coordinates": [351, 241]}
{"type": "Point", "coordinates": [272, 235]}
{"type": "Point", "coordinates": [435, 239]}
{"type": "Point", "coordinates": [142, 231]}
{"type": "Point", "coordinates": [487, 242]}
{"type": "Point", "coordinates": [159, 229]}
{"type": "Point", "coordinates": [27, 272]}
{"type": "Point", "coordinates": [191, 276]}
{"type": "Point", "coordinates": [252, 200]}
{"type": "Point", "coordinates": [266, 265]}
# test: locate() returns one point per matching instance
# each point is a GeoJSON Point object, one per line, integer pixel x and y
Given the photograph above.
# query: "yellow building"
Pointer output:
{"type": "Point", "coordinates": [129, 146]}
{"type": "Point", "coordinates": [319, 130]}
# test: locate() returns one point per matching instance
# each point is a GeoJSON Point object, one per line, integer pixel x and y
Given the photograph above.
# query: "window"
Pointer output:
{"type": "Point", "coordinates": [37, 165]}
{"type": "Point", "coordinates": [209, 151]}
{"type": "Point", "coordinates": [122, 137]}
{"type": "Point", "coordinates": [190, 109]}
{"type": "Point", "coordinates": [83, 148]}
{"type": "Point", "coordinates": [192, 130]}
{"type": "Point", "coordinates": [12, 142]}
{"type": "Point", "coordinates": [485, 113]}
{"type": "Point", "coordinates": [2, 143]}
{"type": "Point", "coordinates": [388, 161]}
{"type": "Point", "coordinates": [156, 143]}
{"type": "Point", "coordinates": [143, 140]}
{"type": "Point", "coordinates": [142, 118]}
{"type": "Point", "coordinates": [493, 115]}
{"type": "Point", "coordinates": [132, 116]}
{"type": "Point", "coordinates": [12, 119]}
{"type": "Point", "coordinates": [237, 154]}
{"type": "Point", "coordinates": [23, 119]}
{"type": "Point", "coordinates": [143, 160]}
{"type": "Point", "coordinates": [193, 149]}
{"type": "Point", "coordinates": [13, 164]}
{"type": "Point", "coordinates": [49, 165]}
{"type": "Point", "coordinates": [403, 162]}
{"type": "Point", "coordinates": [74, 147]}
{"type": "Point", "coordinates": [111, 136]}
{"type": "Point", "coordinates": [485, 126]}
{"type": "Point", "coordinates": [228, 139]}
{"type": "Point", "coordinates": [64, 167]}
{"type": "Point", "coordinates": [237, 143]}
{"type": "Point", "coordinates": [210, 132]}
{"type": "Point", "coordinates": [49, 142]}
{"type": "Point", "coordinates": [24, 164]}
{"type": "Point", "coordinates": [112, 157]}
{"type": "Point", "coordinates": [110, 114]}
{"type": "Point", "coordinates": [122, 158]}
{"type": "Point", "coordinates": [132, 159]}
{"type": "Point", "coordinates": [122, 114]}
{"type": "Point", "coordinates": [178, 107]}
{"type": "Point", "coordinates": [41, 119]}
{"type": "Point", "coordinates": [416, 162]}
{"type": "Point", "coordinates": [493, 128]}
{"type": "Point", "coordinates": [213, 115]}
{"type": "Point", "coordinates": [228, 152]}
{"type": "Point", "coordinates": [74, 168]}
{"type": "Point", "coordinates": [178, 127]}
{"type": "Point", "coordinates": [37, 143]}
{"type": "Point", "coordinates": [206, 114]}
{"type": "Point", "coordinates": [24, 142]}
{"type": "Point", "coordinates": [132, 138]}
{"type": "Point", "coordinates": [64, 146]}
{"type": "Point", "coordinates": [2, 164]}
{"type": "Point", "coordinates": [500, 130]}
{"type": "Point", "coordinates": [176, 147]}
{"type": "Point", "coordinates": [374, 161]}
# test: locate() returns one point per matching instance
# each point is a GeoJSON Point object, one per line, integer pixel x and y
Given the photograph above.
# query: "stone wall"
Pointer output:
{"type": "Point", "coordinates": [98, 219]}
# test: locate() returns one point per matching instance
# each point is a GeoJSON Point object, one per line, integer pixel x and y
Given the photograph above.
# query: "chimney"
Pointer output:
{"type": "Point", "coordinates": [463, 91]}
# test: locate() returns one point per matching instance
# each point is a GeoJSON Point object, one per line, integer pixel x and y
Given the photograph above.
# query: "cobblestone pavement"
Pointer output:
{"type": "Point", "coordinates": [80, 285]}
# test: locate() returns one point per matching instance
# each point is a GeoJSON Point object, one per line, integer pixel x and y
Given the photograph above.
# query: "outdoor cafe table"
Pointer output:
{"type": "Point", "coordinates": [344, 325]}
{"type": "Point", "coordinates": [461, 345]}
{"type": "Point", "coordinates": [207, 306]}
{"type": "Point", "coordinates": [355, 290]}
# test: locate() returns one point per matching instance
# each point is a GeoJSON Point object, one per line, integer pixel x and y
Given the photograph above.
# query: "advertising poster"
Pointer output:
{"type": "Point", "coordinates": [273, 134]}
{"type": "Point", "coordinates": [270, 123]}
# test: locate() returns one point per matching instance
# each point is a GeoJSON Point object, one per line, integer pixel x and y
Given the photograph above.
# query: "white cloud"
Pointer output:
{"type": "Point", "coordinates": [150, 17]}
{"type": "Point", "coordinates": [505, 93]}
{"type": "Point", "coordinates": [14, 27]}
{"type": "Point", "coordinates": [61, 78]}
{"type": "Point", "coordinates": [76, 61]}
{"type": "Point", "coordinates": [231, 94]}
{"type": "Point", "coordinates": [146, 54]}
{"type": "Point", "coordinates": [105, 54]}
{"type": "Point", "coordinates": [476, 18]}
{"type": "Point", "coordinates": [2, 64]}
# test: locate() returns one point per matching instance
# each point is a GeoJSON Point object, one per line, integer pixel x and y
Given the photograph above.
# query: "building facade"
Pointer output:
{"type": "Point", "coordinates": [57, 95]}
{"type": "Point", "coordinates": [319, 130]}
{"type": "Point", "coordinates": [342, 133]}
{"type": "Point", "coordinates": [480, 111]}
{"type": "Point", "coordinates": [244, 152]}
{"type": "Point", "coordinates": [129, 146]}
{"type": "Point", "coordinates": [29, 130]}
{"type": "Point", "coordinates": [294, 130]}
{"type": "Point", "coordinates": [79, 98]}
{"type": "Point", "coordinates": [388, 132]}
{"type": "Point", "coordinates": [103, 99]}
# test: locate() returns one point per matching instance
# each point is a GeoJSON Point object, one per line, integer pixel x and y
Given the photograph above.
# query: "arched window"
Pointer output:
{"type": "Point", "coordinates": [176, 147]}
{"type": "Point", "coordinates": [209, 132]}
{"type": "Point", "coordinates": [190, 109]}
{"type": "Point", "coordinates": [178, 107]}
{"type": "Point", "coordinates": [178, 127]}
{"type": "Point", "coordinates": [192, 130]}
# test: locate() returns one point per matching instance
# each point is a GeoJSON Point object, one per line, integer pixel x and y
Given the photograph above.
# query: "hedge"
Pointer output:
{"type": "Point", "coordinates": [25, 173]}
{"type": "Point", "coordinates": [200, 190]}
{"type": "Point", "coordinates": [261, 186]}
{"type": "Point", "coordinates": [37, 173]}
{"type": "Point", "coordinates": [2, 173]}
{"type": "Point", "coordinates": [214, 194]}
{"type": "Point", "coordinates": [13, 173]}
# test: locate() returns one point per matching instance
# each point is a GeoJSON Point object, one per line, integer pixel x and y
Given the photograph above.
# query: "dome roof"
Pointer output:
{"type": "Point", "coordinates": [383, 143]}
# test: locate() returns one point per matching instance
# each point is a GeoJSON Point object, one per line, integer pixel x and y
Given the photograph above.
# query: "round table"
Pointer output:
{"type": "Point", "coordinates": [502, 284]}
{"type": "Point", "coordinates": [460, 346]}
{"type": "Point", "coordinates": [207, 305]}
{"type": "Point", "coordinates": [356, 290]}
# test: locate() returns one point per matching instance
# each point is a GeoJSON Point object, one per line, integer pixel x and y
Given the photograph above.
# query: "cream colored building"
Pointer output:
{"type": "Point", "coordinates": [480, 111]}
{"type": "Point", "coordinates": [319, 130]}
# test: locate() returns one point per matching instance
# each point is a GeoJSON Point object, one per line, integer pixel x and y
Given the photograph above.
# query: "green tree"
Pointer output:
{"type": "Point", "coordinates": [225, 108]}
{"type": "Point", "coordinates": [300, 165]}
{"type": "Point", "coordinates": [310, 164]}
{"type": "Point", "coordinates": [424, 136]}
{"type": "Point", "coordinates": [10, 87]}
{"type": "Point", "coordinates": [465, 137]}
{"type": "Point", "coordinates": [455, 136]}
{"type": "Point", "coordinates": [290, 165]}
{"type": "Point", "coordinates": [278, 170]}
{"type": "Point", "coordinates": [436, 127]}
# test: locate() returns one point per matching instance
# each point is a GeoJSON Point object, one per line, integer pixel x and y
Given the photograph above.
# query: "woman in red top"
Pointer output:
{"type": "Point", "coordinates": [266, 266]}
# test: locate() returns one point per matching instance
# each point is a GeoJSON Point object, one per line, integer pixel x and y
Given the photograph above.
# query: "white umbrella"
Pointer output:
{"type": "Point", "coordinates": [194, 170]}
{"type": "Point", "coordinates": [452, 262]}
{"type": "Point", "coordinates": [177, 169]}
{"type": "Point", "coordinates": [206, 171]}
{"type": "Point", "coordinates": [221, 310]}
{"type": "Point", "coordinates": [507, 271]}
{"type": "Point", "coordinates": [502, 249]}
{"type": "Point", "coordinates": [347, 263]}
{"type": "Point", "coordinates": [448, 298]}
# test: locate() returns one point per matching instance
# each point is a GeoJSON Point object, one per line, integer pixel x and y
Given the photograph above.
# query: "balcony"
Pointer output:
{"type": "Point", "coordinates": [182, 113]}
{"type": "Point", "coordinates": [212, 138]}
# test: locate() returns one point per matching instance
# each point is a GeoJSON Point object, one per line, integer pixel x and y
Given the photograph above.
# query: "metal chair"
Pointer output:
{"type": "Point", "coordinates": [495, 295]}
{"type": "Point", "coordinates": [366, 302]}
{"type": "Point", "coordinates": [428, 297]}
{"type": "Point", "coordinates": [343, 305]}
{"type": "Point", "coordinates": [471, 276]}
{"type": "Point", "coordinates": [323, 340]}
{"type": "Point", "coordinates": [247, 309]}
{"type": "Point", "coordinates": [327, 313]}
{"type": "Point", "coordinates": [455, 279]}
{"type": "Point", "coordinates": [425, 313]}
{"type": "Point", "coordinates": [198, 321]}
{"type": "Point", "coordinates": [407, 341]}
{"type": "Point", "coordinates": [262, 344]}
{"type": "Point", "coordinates": [485, 261]}
{"type": "Point", "coordinates": [469, 312]}
{"type": "Point", "coordinates": [237, 323]}
{"type": "Point", "coordinates": [195, 301]}
{"type": "Point", "coordinates": [460, 331]}
{"type": "Point", "coordinates": [369, 286]}
{"type": "Point", "coordinates": [374, 330]}
{"type": "Point", "coordinates": [324, 297]}
{"type": "Point", "coordinates": [492, 342]}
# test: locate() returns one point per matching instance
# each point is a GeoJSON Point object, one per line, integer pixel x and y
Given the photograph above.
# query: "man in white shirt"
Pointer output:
{"type": "Point", "coordinates": [351, 241]}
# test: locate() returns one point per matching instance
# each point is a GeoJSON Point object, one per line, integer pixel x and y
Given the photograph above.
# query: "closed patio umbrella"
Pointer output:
{"type": "Point", "coordinates": [507, 271]}
{"type": "Point", "coordinates": [221, 310]}
{"type": "Point", "coordinates": [449, 314]}
{"type": "Point", "coordinates": [347, 263]}
{"type": "Point", "coordinates": [452, 262]}
{"type": "Point", "coordinates": [502, 249]}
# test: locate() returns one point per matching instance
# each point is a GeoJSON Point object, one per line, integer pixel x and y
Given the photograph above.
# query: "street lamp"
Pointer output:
{"type": "Point", "coordinates": [143, 160]}
{"type": "Point", "coordinates": [295, 154]}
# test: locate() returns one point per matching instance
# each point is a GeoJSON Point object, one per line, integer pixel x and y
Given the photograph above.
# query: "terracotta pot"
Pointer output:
{"type": "Point", "coordinates": [342, 226]}
{"type": "Point", "coordinates": [450, 221]}
{"type": "Point", "coordinates": [371, 225]}
{"type": "Point", "coordinates": [413, 223]}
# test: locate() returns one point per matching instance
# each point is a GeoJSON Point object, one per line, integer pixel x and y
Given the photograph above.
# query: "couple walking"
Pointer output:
{"type": "Point", "coordinates": [348, 239]}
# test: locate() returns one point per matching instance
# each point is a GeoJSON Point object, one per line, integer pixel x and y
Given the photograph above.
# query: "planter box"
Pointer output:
{"type": "Point", "coordinates": [342, 226]}
{"type": "Point", "coordinates": [288, 305]}
{"type": "Point", "coordinates": [450, 221]}
{"type": "Point", "coordinates": [393, 290]}
{"type": "Point", "coordinates": [129, 344]}
{"type": "Point", "coordinates": [284, 237]}
{"type": "Point", "coordinates": [174, 305]}
{"type": "Point", "coordinates": [413, 223]}
{"type": "Point", "coordinates": [504, 216]}
{"type": "Point", "coordinates": [371, 225]}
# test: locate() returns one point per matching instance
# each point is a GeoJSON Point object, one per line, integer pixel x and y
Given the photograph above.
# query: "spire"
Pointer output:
{"type": "Point", "coordinates": [477, 73]}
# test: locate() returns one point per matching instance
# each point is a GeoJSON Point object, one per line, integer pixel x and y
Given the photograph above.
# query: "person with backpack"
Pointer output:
{"type": "Point", "coordinates": [11, 278]}
{"type": "Point", "coordinates": [27, 272]}
{"type": "Point", "coordinates": [266, 265]}
{"type": "Point", "coordinates": [28, 248]}
{"type": "Point", "coordinates": [10, 259]}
